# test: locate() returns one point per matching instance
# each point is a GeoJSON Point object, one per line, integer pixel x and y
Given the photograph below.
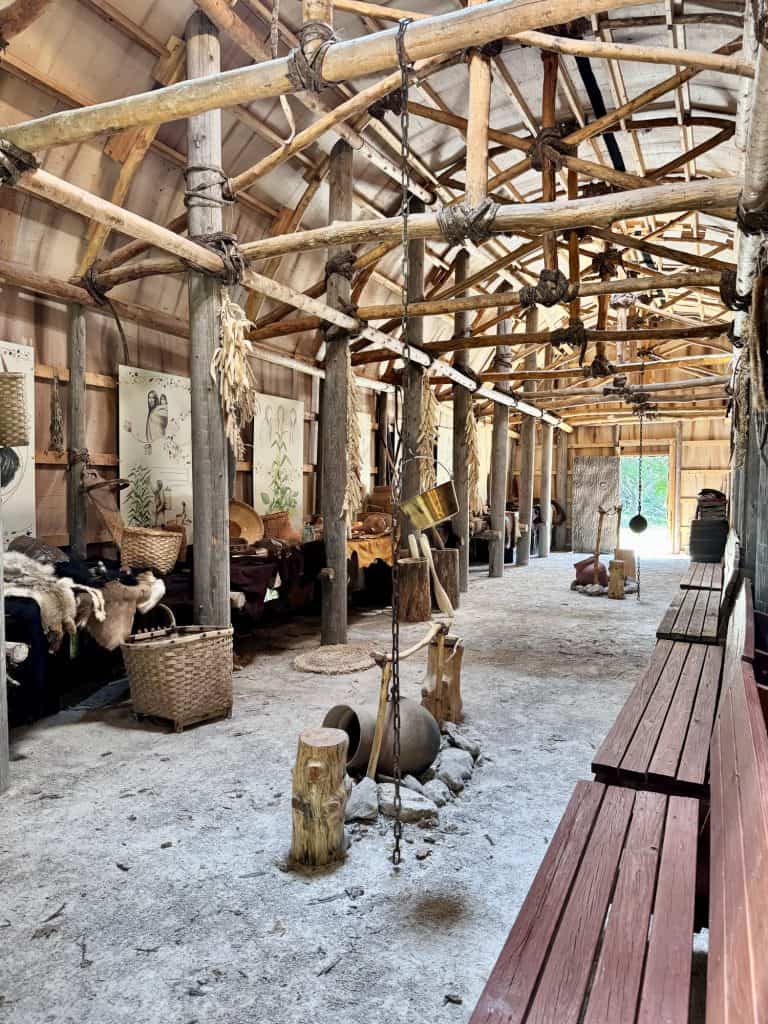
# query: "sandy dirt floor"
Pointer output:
{"type": "Point", "coordinates": [142, 873]}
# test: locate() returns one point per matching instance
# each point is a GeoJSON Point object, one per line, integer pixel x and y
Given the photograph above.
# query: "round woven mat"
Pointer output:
{"type": "Point", "coordinates": [335, 659]}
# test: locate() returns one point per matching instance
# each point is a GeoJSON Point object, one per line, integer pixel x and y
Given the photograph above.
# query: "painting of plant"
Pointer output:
{"type": "Point", "coordinates": [278, 456]}
{"type": "Point", "coordinates": [140, 500]}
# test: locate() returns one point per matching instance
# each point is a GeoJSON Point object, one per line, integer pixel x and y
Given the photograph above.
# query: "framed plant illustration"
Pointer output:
{"type": "Point", "coordinates": [278, 457]}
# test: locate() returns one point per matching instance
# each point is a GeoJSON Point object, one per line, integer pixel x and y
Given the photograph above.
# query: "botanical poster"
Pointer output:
{"type": "Point", "coordinates": [278, 457]}
{"type": "Point", "coordinates": [155, 448]}
{"type": "Point", "coordinates": [17, 465]}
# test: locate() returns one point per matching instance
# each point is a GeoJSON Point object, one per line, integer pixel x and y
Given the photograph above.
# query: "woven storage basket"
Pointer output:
{"type": "Point", "coordinates": [183, 673]}
{"type": "Point", "coordinates": [14, 425]}
{"type": "Point", "coordinates": [144, 548]}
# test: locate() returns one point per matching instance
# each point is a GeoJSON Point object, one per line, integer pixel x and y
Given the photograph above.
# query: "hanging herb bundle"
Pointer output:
{"type": "Point", "coordinates": [56, 428]}
{"type": "Point", "coordinates": [232, 371]}
{"type": "Point", "coordinates": [473, 464]}
{"type": "Point", "coordinates": [354, 493]}
{"type": "Point", "coordinates": [425, 448]}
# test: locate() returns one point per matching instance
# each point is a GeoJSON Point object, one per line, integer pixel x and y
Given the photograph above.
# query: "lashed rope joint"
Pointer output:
{"type": "Point", "coordinates": [343, 264]}
{"type": "Point", "coordinates": [305, 66]}
{"type": "Point", "coordinates": [98, 293]}
{"type": "Point", "coordinates": [392, 102]}
{"type": "Point", "coordinates": [600, 367]}
{"type": "Point", "coordinates": [14, 162]}
{"type": "Point", "coordinates": [751, 222]}
{"type": "Point", "coordinates": [729, 295]}
{"type": "Point", "coordinates": [549, 145]}
{"type": "Point", "coordinates": [214, 192]}
{"type": "Point", "coordinates": [574, 335]}
{"type": "Point", "coordinates": [78, 456]}
{"type": "Point", "coordinates": [606, 264]}
{"type": "Point", "coordinates": [225, 246]}
{"type": "Point", "coordinates": [488, 50]}
{"type": "Point", "coordinates": [335, 332]}
{"type": "Point", "coordinates": [553, 287]}
{"type": "Point", "coordinates": [462, 221]}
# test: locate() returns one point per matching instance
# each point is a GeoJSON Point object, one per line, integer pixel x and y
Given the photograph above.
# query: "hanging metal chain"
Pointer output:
{"type": "Point", "coordinates": [640, 477]}
{"type": "Point", "coordinates": [394, 693]}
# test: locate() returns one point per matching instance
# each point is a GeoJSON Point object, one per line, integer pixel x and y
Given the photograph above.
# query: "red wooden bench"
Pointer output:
{"type": "Point", "coordinates": [605, 935]}
{"type": "Point", "coordinates": [700, 616]}
{"type": "Point", "coordinates": [703, 576]}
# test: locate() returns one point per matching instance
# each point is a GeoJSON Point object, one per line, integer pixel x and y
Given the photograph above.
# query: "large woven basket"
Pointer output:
{"type": "Point", "coordinates": [14, 423]}
{"type": "Point", "coordinates": [182, 674]}
{"type": "Point", "coordinates": [146, 548]}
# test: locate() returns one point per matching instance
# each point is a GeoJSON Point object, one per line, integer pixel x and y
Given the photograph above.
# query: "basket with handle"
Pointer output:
{"type": "Point", "coordinates": [141, 547]}
{"type": "Point", "coordinates": [180, 673]}
{"type": "Point", "coordinates": [14, 422]}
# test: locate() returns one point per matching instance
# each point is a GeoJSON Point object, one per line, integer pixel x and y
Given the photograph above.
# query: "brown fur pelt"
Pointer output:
{"type": "Point", "coordinates": [24, 577]}
{"type": "Point", "coordinates": [121, 604]}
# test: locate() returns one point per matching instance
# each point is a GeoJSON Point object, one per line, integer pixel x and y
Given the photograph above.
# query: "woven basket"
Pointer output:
{"type": "Point", "coordinates": [144, 548]}
{"type": "Point", "coordinates": [14, 425]}
{"type": "Point", "coordinates": [182, 674]}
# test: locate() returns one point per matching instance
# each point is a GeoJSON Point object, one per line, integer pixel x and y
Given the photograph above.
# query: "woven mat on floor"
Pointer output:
{"type": "Point", "coordinates": [335, 659]}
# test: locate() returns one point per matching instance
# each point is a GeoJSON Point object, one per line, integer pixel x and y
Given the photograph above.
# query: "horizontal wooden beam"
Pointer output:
{"type": "Point", "coordinates": [562, 373]}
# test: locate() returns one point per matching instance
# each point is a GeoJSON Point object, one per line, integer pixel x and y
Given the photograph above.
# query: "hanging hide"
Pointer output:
{"type": "Point", "coordinates": [121, 604]}
{"type": "Point", "coordinates": [24, 577]}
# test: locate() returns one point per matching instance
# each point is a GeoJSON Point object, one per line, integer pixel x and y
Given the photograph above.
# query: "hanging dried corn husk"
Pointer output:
{"type": "Point", "coordinates": [355, 491]}
{"type": "Point", "coordinates": [473, 465]}
{"type": "Point", "coordinates": [741, 409]}
{"type": "Point", "coordinates": [755, 336]}
{"type": "Point", "coordinates": [232, 371]}
{"type": "Point", "coordinates": [425, 448]}
{"type": "Point", "coordinates": [56, 427]}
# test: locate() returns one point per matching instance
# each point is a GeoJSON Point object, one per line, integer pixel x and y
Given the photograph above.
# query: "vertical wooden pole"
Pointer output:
{"type": "Point", "coordinates": [333, 416]}
{"type": "Point", "coordinates": [210, 497]}
{"type": "Point", "coordinates": [545, 490]}
{"type": "Point", "coordinates": [561, 493]}
{"type": "Point", "coordinates": [477, 125]}
{"type": "Point", "coordinates": [76, 420]}
{"type": "Point", "coordinates": [574, 309]}
{"type": "Point", "coordinates": [527, 457]}
{"type": "Point", "coordinates": [413, 378]}
{"type": "Point", "coordinates": [677, 540]}
{"type": "Point", "coordinates": [551, 63]}
{"type": "Point", "coordinates": [382, 433]}
{"type": "Point", "coordinates": [499, 464]}
{"type": "Point", "coordinates": [462, 410]}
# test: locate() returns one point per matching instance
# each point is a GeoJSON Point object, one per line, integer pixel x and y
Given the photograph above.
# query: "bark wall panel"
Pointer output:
{"type": "Point", "coordinates": [595, 483]}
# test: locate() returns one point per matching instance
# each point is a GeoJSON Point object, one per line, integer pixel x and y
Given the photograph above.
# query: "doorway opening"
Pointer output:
{"type": "Point", "coordinates": [657, 539]}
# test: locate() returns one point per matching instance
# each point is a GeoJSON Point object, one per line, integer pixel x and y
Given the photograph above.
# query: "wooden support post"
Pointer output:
{"type": "Point", "coordinates": [76, 421]}
{"type": "Point", "coordinates": [210, 457]}
{"type": "Point", "coordinates": [462, 410]}
{"type": "Point", "coordinates": [561, 490]}
{"type": "Point", "coordinates": [319, 797]}
{"type": "Point", "coordinates": [545, 490]}
{"type": "Point", "coordinates": [551, 63]}
{"type": "Point", "coordinates": [527, 460]}
{"type": "Point", "coordinates": [499, 465]}
{"type": "Point", "coordinates": [413, 381]}
{"type": "Point", "coordinates": [333, 415]}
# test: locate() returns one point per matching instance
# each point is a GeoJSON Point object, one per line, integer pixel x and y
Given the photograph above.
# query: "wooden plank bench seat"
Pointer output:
{"type": "Point", "coordinates": [703, 576]}
{"type": "Point", "coordinates": [700, 616]}
{"type": "Point", "coordinates": [604, 935]}
{"type": "Point", "coordinates": [660, 739]}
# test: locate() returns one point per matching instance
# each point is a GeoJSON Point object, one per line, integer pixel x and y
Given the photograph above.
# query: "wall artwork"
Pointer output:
{"type": "Point", "coordinates": [17, 465]}
{"type": "Point", "coordinates": [278, 457]}
{"type": "Point", "coordinates": [155, 448]}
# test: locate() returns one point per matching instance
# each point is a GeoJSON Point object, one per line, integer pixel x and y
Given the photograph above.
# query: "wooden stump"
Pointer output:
{"type": "Point", "coordinates": [441, 692]}
{"type": "Point", "coordinates": [447, 568]}
{"type": "Point", "coordinates": [319, 797]}
{"type": "Point", "coordinates": [616, 580]}
{"type": "Point", "coordinates": [415, 595]}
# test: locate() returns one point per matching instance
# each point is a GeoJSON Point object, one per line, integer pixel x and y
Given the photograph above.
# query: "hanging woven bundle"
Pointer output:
{"type": "Point", "coordinates": [232, 371]}
{"type": "Point", "coordinates": [56, 428]}
{"type": "Point", "coordinates": [355, 491]}
{"type": "Point", "coordinates": [473, 465]}
{"type": "Point", "coordinates": [428, 429]}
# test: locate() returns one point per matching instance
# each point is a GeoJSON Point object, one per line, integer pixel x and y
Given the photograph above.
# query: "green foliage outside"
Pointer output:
{"type": "Point", "coordinates": [140, 498]}
{"type": "Point", "coordinates": [655, 488]}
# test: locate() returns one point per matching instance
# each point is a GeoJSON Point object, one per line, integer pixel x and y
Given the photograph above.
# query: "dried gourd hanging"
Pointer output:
{"type": "Point", "coordinates": [231, 371]}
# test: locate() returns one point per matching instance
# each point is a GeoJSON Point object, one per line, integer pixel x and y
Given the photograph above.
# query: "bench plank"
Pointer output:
{"type": "Point", "coordinates": [703, 576]}
{"type": "Point", "coordinates": [564, 981]}
{"type": "Point", "coordinates": [695, 758]}
{"type": "Point", "coordinates": [639, 753]}
{"type": "Point", "coordinates": [666, 756]}
{"type": "Point", "coordinates": [514, 977]}
{"type": "Point", "coordinates": [692, 617]}
{"type": "Point", "coordinates": [616, 985]}
{"type": "Point", "coordinates": [667, 978]}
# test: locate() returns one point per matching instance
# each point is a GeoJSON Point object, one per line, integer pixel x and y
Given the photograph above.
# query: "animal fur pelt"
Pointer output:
{"type": "Point", "coordinates": [121, 604]}
{"type": "Point", "coordinates": [24, 577]}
